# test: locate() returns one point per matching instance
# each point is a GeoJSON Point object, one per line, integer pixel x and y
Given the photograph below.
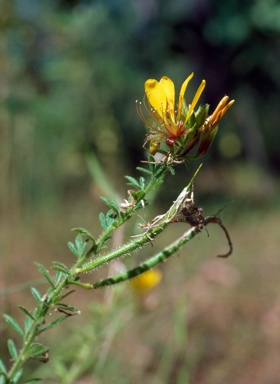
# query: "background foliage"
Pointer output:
{"type": "Point", "coordinates": [70, 74]}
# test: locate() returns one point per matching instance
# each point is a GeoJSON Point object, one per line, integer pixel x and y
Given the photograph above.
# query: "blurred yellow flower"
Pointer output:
{"type": "Point", "coordinates": [146, 281]}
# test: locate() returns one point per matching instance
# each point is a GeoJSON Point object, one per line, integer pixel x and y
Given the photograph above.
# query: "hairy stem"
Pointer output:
{"type": "Point", "coordinates": [157, 226]}
{"type": "Point", "coordinates": [151, 262]}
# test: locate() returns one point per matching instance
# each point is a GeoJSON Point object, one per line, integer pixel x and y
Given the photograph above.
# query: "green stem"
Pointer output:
{"type": "Point", "coordinates": [26, 344]}
{"type": "Point", "coordinates": [124, 250]}
{"type": "Point", "coordinates": [155, 181]}
{"type": "Point", "coordinates": [41, 311]}
{"type": "Point", "coordinates": [156, 228]}
{"type": "Point", "coordinates": [151, 262]}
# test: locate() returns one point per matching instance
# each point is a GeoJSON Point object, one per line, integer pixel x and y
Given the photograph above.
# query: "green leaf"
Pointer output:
{"type": "Point", "coordinates": [11, 321]}
{"type": "Point", "coordinates": [139, 195]}
{"type": "Point", "coordinates": [59, 275]}
{"type": "Point", "coordinates": [144, 170]}
{"type": "Point", "coordinates": [79, 242]}
{"type": "Point", "coordinates": [133, 182]}
{"type": "Point", "coordinates": [12, 349]}
{"type": "Point", "coordinates": [84, 232]}
{"type": "Point", "coordinates": [26, 311]}
{"type": "Point", "coordinates": [56, 265]}
{"type": "Point", "coordinates": [31, 381]}
{"type": "Point", "coordinates": [103, 245]}
{"type": "Point", "coordinates": [17, 376]}
{"type": "Point", "coordinates": [36, 350]}
{"type": "Point", "coordinates": [28, 322]}
{"type": "Point", "coordinates": [80, 245]}
{"type": "Point", "coordinates": [187, 163]}
{"type": "Point", "coordinates": [172, 170]}
{"type": "Point", "coordinates": [3, 373]}
{"type": "Point", "coordinates": [142, 182]}
{"type": "Point", "coordinates": [110, 217]}
{"type": "Point", "coordinates": [45, 273]}
{"type": "Point", "coordinates": [54, 323]}
{"type": "Point", "coordinates": [2, 367]}
{"type": "Point", "coordinates": [67, 294]}
{"type": "Point", "coordinates": [36, 294]}
{"type": "Point", "coordinates": [103, 221]}
{"type": "Point", "coordinates": [111, 204]}
{"type": "Point", "coordinates": [72, 248]}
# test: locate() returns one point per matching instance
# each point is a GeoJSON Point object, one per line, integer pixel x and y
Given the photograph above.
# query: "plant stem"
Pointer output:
{"type": "Point", "coordinates": [43, 307]}
{"type": "Point", "coordinates": [155, 181]}
{"type": "Point", "coordinates": [151, 262]}
{"type": "Point", "coordinates": [52, 297]}
{"type": "Point", "coordinates": [157, 226]}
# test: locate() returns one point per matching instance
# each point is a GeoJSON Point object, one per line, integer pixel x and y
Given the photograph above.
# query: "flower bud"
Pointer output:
{"type": "Point", "coordinates": [208, 136]}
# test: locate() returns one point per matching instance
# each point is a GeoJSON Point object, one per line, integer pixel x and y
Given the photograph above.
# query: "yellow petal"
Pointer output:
{"type": "Point", "coordinates": [221, 109]}
{"type": "Point", "coordinates": [227, 107]}
{"type": "Point", "coordinates": [182, 94]}
{"type": "Point", "coordinates": [196, 98]}
{"type": "Point", "coordinates": [169, 89]}
{"type": "Point", "coordinates": [156, 96]}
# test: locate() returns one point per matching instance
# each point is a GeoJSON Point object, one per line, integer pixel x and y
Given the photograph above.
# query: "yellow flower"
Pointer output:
{"type": "Point", "coordinates": [146, 281]}
{"type": "Point", "coordinates": [163, 120]}
{"type": "Point", "coordinates": [180, 125]}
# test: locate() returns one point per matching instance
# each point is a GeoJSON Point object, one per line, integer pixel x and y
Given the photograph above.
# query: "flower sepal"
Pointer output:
{"type": "Point", "coordinates": [201, 115]}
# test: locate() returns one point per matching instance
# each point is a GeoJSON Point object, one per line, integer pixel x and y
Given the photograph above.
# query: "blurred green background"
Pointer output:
{"type": "Point", "coordinates": [70, 72]}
